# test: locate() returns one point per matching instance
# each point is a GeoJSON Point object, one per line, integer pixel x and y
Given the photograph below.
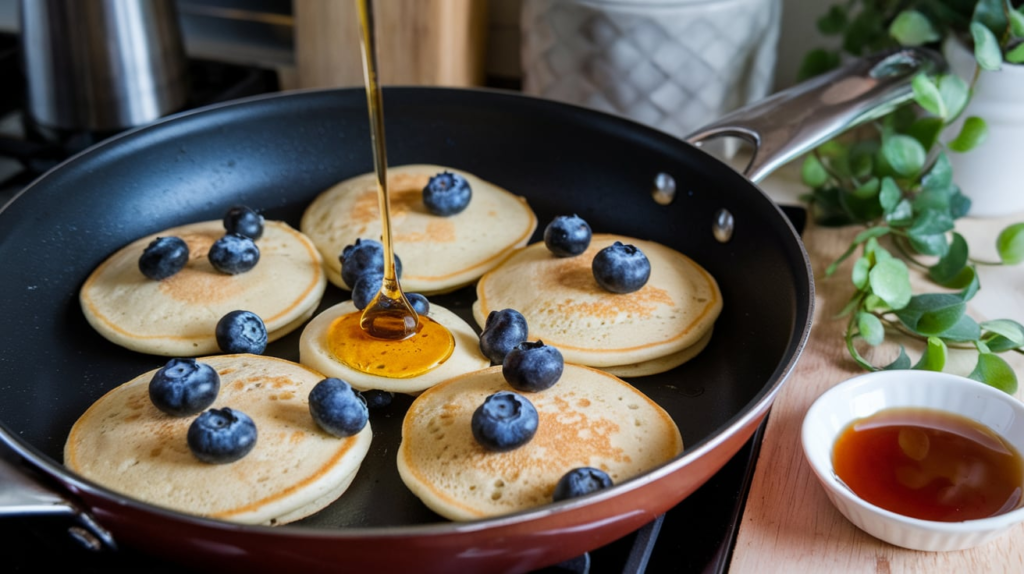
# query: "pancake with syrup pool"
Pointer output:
{"type": "Point", "coordinates": [126, 444]}
{"type": "Point", "coordinates": [646, 331]}
{"type": "Point", "coordinates": [439, 254]}
{"type": "Point", "coordinates": [588, 418]}
{"type": "Point", "coordinates": [177, 316]}
{"type": "Point", "coordinates": [317, 351]}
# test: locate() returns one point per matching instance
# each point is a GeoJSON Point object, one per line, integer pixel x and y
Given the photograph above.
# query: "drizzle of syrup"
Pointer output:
{"type": "Point", "coordinates": [929, 464]}
{"type": "Point", "coordinates": [388, 338]}
{"type": "Point", "coordinates": [429, 346]}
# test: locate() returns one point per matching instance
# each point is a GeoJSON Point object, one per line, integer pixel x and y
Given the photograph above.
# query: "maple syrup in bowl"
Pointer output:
{"type": "Point", "coordinates": [923, 460]}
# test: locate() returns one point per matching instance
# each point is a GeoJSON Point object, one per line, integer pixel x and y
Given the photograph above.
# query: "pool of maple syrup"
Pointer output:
{"type": "Point", "coordinates": [387, 338]}
{"type": "Point", "coordinates": [929, 464]}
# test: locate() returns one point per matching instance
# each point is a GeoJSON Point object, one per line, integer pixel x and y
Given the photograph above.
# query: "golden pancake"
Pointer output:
{"type": "Point", "coordinates": [661, 364]}
{"type": "Point", "coordinates": [315, 352]}
{"type": "Point", "coordinates": [177, 316]}
{"type": "Point", "coordinates": [438, 254]}
{"type": "Point", "coordinates": [588, 418]}
{"type": "Point", "coordinates": [566, 308]}
{"type": "Point", "coordinates": [125, 443]}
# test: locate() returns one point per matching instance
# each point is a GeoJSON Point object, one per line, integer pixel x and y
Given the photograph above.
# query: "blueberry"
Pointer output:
{"type": "Point", "coordinates": [567, 236]}
{"type": "Point", "coordinates": [621, 268]}
{"type": "Point", "coordinates": [503, 330]}
{"type": "Point", "coordinates": [376, 399]}
{"type": "Point", "coordinates": [365, 289]}
{"type": "Point", "coordinates": [506, 421]}
{"type": "Point", "coordinates": [337, 408]}
{"type": "Point", "coordinates": [163, 257]}
{"type": "Point", "coordinates": [244, 221]}
{"type": "Point", "coordinates": [366, 255]}
{"type": "Point", "coordinates": [446, 194]}
{"type": "Point", "coordinates": [184, 387]}
{"type": "Point", "coordinates": [419, 303]}
{"type": "Point", "coordinates": [532, 367]}
{"type": "Point", "coordinates": [580, 481]}
{"type": "Point", "coordinates": [234, 254]}
{"type": "Point", "coordinates": [220, 436]}
{"type": "Point", "coordinates": [241, 332]}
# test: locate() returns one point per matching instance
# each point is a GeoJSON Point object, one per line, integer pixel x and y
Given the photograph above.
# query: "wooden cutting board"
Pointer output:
{"type": "Point", "coordinates": [420, 42]}
{"type": "Point", "coordinates": [788, 524]}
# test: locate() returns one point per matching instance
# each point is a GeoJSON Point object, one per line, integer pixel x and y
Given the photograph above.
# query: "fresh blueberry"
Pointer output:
{"type": "Point", "coordinates": [506, 421]}
{"type": "Point", "coordinates": [184, 387]}
{"type": "Point", "coordinates": [532, 367]}
{"type": "Point", "coordinates": [241, 332]}
{"type": "Point", "coordinates": [621, 268]}
{"type": "Point", "coordinates": [419, 303]}
{"type": "Point", "coordinates": [580, 481]}
{"type": "Point", "coordinates": [446, 194]}
{"type": "Point", "coordinates": [366, 255]}
{"type": "Point", "coordinates": [234, 254]}
{"type": "Point", "coordinates": [567, 236]}
{"type": "Point", "coordinates": [338, 408]}
{"type": "Point", "coordinates": [164, 257]}
{"type": "Point", "coordinates": [503, 330]}
{"type": "Point", "coordinates": [244, 221]}
{"type": "Point", "coordinates": [220, 436]}
{"type": "Point", "coordinates": [376, 399]}
{"type": "Point", "coordinates": [365, 289]}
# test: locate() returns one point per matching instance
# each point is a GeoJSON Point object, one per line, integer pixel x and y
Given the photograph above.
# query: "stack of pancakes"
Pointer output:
{"type": "Point", "coordinates": [125, 443]}
{"type": "Point", "coordinates": [439, 254]}
{"type": "Point", "coordinates": [177, 316]}
{"type": "Point", "coordinates": [660, 326]}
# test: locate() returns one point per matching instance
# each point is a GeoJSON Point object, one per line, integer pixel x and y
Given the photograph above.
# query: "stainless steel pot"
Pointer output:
{"type": "Point", "coordinates": [102, 65]}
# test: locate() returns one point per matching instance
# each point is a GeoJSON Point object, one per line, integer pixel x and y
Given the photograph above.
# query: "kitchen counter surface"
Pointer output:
{"type": "Point", "coordinates": [788, 524]}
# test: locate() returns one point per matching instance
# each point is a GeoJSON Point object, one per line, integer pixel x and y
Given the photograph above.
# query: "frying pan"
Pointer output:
{"type": "Point", "coordinates": [276, 153]}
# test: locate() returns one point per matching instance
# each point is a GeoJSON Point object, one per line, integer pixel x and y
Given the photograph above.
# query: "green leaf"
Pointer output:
{"type": "Point", "coordinates": [927, 95]}
{"type": "Point", "coordinates": [986, 47]}
{"type": "Point", "coordinates": [890, 195]}
{"type": "Point", "coordinates": [1007, 328]}
{"type": "Point", "coordinates": [905, 154]}
{"type": "Point", "coordinates": [959, 204]}
{"type": "Point", "coordinates": [998, 343]}
{"type": "Point", "coordinates": [965, 330]}
{"type": "Point", "coordinates": [833, 22]}
{"type": "Point", "coordinates": [874, 303]}
{"type": "Point", "coordinates": [865, 31]}
{"type": "Point", "coordinates": [1016, 24]}
{"type": "Point", "coordinates": [1016, 55]}
{"type": "Point", "coordinates": [972, 134]}
{"type": "Point", "coordinates": [950, 266]}
{"type": "Point", "coordinates": [955, 93]}
{"type": "Point", "coordinates": [890, 281]}
{"type": "Point", "coordinates": [812, 172]}
{"type": "Point", "coordinates": [859, 275]}
{"type": "Point", "coordinates": [932, 314]}
{"type": "Point", "coordinates": [870, 328]}
{"type": "Point", "coordinates": [928, 233]}
{"type": "Point", "coordinates": [862, 158]}
{"type": "Point", "coordinates": [934, 357]}
{"type": "Point", "coordinates": [940, 176]}
{"type": "Point", "coordinates": [992, 15]}
{"type": "Point", "coordinates": [927, 130]}
{"type": "Point", "coordinates": [861, 204]}
{"type": "Point", "coordinates": [971, 289]}
{"type": "Point", "coordinates": [930, 244]}
{"type": "Point", "coordinates": [912, 28]}
{"type": "Point", "coordinates": [902, 215]}
{"type": "Point", "coordinates": [1010, 244]}
{"type": "Point", "coordinates": [902, 361]}
{"type": "Point", "coordinates": [816, 62]}
{"type": "Point", "coordinates": [872, 232]}
{"type": "Point", "coordinates": [995, 372]}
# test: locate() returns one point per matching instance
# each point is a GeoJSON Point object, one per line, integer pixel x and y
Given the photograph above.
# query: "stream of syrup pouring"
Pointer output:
{"type": "Point", "coordinates": [388, 338]}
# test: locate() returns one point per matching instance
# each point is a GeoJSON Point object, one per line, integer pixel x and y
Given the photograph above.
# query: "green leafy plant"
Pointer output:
{"type": "Point", "coordinates": [895, 179]}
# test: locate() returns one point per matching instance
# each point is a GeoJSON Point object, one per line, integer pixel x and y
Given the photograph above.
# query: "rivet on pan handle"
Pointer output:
{"type": "Point", "coordinates": [789, 123]}
{"type": "Point", "coordinates": [21, 495]}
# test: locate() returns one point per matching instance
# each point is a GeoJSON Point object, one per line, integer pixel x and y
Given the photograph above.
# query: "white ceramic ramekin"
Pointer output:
{"type": "Point", "coordinates": [869, 393]}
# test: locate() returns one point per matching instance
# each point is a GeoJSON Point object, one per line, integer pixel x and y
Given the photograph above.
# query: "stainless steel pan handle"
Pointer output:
{"type": "Point", "coordinates": [794, 121]}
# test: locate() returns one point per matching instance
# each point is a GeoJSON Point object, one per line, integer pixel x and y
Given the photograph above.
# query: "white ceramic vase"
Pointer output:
{"type": "Point", "coordinates": [991, 175]}
{"type": "Point", "coordinates": [672, 64]}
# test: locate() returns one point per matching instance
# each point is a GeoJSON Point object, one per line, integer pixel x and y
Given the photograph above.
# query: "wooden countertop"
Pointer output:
{"type": "Point", "coordinates": [788, 523]}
